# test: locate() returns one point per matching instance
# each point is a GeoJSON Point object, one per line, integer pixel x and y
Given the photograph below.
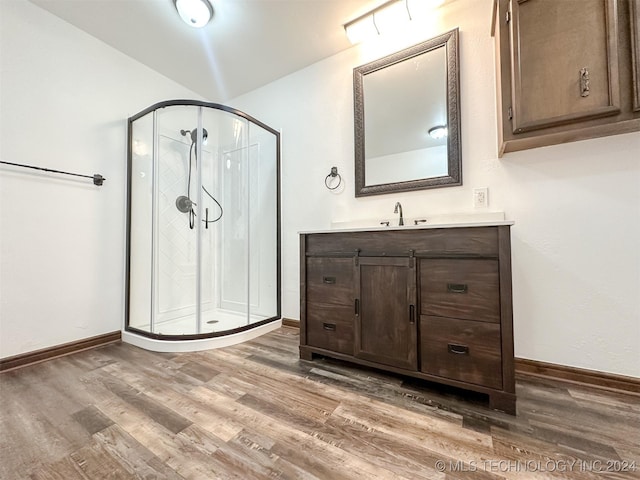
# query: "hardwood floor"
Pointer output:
{"type": "Point", "coordinates": [255, 411]}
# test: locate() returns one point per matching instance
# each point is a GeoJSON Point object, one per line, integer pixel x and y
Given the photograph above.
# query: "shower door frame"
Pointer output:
{"type": "Point", "coordinates": [196, 103]}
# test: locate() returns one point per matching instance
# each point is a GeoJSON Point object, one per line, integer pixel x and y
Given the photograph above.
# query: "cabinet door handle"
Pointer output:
{"type": "Point", "coordinates": [412, 314]}
{"type": "Point", "coordinates": [584, 82]}
{"type": "Point", "coordinates": [457, 287]}
{"type": "Point", "coordinates": [357, 307]}
{"type": "Point", "coordinates": [458, 349]}
{"type": "Point", "coordinates": [329, 326]}
{"type": "Point", "coordinates": [329, 280]}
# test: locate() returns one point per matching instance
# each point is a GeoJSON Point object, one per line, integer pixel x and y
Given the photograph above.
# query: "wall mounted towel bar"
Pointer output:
{"type": "Point", "coordinates": [97, 178]}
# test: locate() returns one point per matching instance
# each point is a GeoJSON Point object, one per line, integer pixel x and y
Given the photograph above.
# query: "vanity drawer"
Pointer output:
{"type": "Point", "coordinates": [330, 281]}
{"type": "Point", "coordinates": [330, 327]}
{"type": "Point", "coordinates": [461, 350]}
{"type": "Point", "coordinates": [460, 288]}
{"type": "Point", "coordinates": [430, 241]}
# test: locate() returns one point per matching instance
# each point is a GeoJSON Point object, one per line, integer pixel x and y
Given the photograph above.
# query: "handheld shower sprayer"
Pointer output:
{"type": "Point", "coordinates": [183, 203]}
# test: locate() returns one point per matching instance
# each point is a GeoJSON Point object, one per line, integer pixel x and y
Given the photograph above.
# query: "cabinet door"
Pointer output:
{"type": "Point", "coordinates": [635, 51]}
{"type": "Point", "coordinates": [564, 62]}
{"type": "Point", "coordinates": [386, 330]}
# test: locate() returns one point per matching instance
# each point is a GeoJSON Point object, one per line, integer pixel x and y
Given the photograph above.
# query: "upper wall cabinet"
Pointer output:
{"type": "Point", "coordinates": [567, 70]}
{"type": "Point", "coordinates": [635, 51]}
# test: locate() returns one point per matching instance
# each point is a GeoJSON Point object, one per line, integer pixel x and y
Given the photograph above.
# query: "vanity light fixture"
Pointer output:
{"type": "Point", "coordinates": [381, 19]}
{"type": "Point", "coordinates": [423, 8]}
{"type": "Point", "coordinates": [387, 17]}
{"type": "Point", "coordinates": [361, 29]}
{"type": "Point", "coordinates": [438, 132]}
{"type": "Point", "coordinates": [195, 13]}
{"type": "Point", "coordinates": [391, 17]}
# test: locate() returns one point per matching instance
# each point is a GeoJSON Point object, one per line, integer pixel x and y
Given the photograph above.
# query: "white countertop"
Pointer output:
{"type": "Point", "coordinates": [451, 220]}
{"type": "Point", "coordinates": [422, 226]}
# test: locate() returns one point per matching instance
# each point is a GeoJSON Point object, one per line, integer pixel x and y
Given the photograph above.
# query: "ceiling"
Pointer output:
{"type": "Point", "coordinates": [249, 43]}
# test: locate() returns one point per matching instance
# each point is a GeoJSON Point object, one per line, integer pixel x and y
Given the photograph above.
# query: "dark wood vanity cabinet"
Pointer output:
{"type": "Point", "coordinates": [565, 71]}
{"type": "Point", "coordinates": [432, 303]}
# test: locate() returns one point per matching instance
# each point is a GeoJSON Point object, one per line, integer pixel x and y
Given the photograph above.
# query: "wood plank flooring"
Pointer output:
{"type": "Point", "coordinates": [256, 411]}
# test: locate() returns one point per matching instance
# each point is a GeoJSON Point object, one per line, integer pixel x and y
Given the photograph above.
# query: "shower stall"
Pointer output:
{"type": "Point", "coordinates": [203, 224]}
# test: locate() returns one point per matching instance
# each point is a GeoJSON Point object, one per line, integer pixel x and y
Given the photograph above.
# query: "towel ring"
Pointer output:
{"type": "Point", "coordinates": [334, 173]}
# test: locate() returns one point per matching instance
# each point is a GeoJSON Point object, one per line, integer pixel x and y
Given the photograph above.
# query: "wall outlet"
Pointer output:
{"type": "Point", "coordinates": [480, 197]}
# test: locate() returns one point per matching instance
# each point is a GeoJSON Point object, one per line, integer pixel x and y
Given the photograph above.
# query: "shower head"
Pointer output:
{"type": "Point", "coordinates": [184, 204]}
{"type": "Point", "coordinates": [193, 134]}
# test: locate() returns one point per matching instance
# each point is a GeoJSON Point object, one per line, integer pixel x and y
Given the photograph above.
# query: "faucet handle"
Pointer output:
{"type": "Point", "coordinates": [422, 220]}
{"type": "Point", "coordinates": [386, 224]}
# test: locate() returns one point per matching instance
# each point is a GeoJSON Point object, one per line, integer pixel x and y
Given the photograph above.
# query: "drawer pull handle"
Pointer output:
{"type": "Point", "coordinates": [412, 314]}
{"type": "Point", "coordinates": [329, 326]}
{"type": "Point", "coordinates": [458, 349]}
{"type": "Point", "coordinates": [329, 280]}
{"type": "Point", "coordinates": [457, 287]}
{"type": "Point", "coordinates": [357, 307]}
{"type": "Point", "coordinates": [584, 82]}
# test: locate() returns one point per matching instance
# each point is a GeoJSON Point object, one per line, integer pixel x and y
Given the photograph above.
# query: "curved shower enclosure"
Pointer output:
{"type": "Point", "coordinates": [203, 249]}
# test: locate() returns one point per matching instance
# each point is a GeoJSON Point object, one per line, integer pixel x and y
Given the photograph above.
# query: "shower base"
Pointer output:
{"type": "Point", "coordinates": [212, 321]}
{"type": "Point", "coordinates": [200, 344]}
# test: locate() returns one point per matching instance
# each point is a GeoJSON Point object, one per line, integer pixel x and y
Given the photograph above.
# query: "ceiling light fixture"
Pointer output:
{"type": "Point", "coordinates": [195, 13]}
{"type": "Point", "coordinates": [438, 132]}
{"type": "Point", "coordinates": [387, 17]}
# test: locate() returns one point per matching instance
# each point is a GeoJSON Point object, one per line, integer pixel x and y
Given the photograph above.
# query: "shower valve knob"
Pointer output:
{"type": "Point", "coordinates": [184, 204]}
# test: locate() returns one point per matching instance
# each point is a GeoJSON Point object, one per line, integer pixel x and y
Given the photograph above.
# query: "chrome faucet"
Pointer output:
{"type": "Point", "coordinates": [399, 209]}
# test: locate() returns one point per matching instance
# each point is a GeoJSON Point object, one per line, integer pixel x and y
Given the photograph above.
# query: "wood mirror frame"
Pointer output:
{"type": "Point", "coordinates": [453, 177]}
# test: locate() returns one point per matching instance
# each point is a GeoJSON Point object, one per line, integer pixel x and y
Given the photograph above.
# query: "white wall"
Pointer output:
{"type": "Point", "coordinates": [65, 98]}
{"type": "Point", "coordinates": [576, 260]}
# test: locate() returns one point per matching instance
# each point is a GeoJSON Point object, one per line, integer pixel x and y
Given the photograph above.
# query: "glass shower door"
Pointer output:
{"type": "Point", "coordinates": [263, 224]}
{"type": "Point", "coordinates": [232, 271]}
{"type": "Point", "coordinates": [175, 224]}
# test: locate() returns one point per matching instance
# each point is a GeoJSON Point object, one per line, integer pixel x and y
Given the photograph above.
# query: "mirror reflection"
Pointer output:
{"type": "Point", "coordinates": [407, 123]}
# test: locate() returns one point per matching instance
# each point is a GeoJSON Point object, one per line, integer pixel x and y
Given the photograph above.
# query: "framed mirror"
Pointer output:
{"type": "Point", "coordinates": [407, 119]}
